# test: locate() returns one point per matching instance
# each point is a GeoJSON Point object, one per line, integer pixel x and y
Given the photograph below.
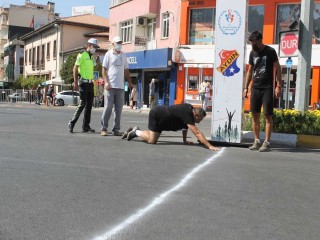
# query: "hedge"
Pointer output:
{"type": "Point", "coordinates": [289, 121]}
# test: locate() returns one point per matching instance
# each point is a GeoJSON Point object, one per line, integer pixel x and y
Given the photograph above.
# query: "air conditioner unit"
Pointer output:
{"type": "Point", "coordinates": [141, 21]}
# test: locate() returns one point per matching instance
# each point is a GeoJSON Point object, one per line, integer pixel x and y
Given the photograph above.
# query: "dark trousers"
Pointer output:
{"type": "Point", "coordinates": [126, 98]}
{"type": "Point", "coordinates": [86, 100]}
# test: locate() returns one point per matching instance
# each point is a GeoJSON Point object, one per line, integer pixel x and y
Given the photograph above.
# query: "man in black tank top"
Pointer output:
{"type": "Point", "coordinates": [263, 61]}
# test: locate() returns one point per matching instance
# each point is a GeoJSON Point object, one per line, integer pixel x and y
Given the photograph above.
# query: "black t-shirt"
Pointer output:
{"type": "Point", "coordinates": [175, 117]}
{"type": "Point", "coordinates": [262, 63]}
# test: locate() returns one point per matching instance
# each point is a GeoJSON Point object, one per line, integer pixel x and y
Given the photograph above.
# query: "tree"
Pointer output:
{"type": "Point", "coordinates": [66, 71]}
{"type": "Point", "coordinates": [29, 82]}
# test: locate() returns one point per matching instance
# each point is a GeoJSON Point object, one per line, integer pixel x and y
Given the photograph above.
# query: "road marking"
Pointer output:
{"type": "Point", "coordinates": [157, 200]}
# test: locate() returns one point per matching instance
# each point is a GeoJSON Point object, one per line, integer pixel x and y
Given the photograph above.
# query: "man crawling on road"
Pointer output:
{"type": "Point", "coordinates": [173, 118]}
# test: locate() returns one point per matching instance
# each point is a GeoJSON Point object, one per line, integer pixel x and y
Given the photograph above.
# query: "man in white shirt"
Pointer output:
{"type": "Point", "coordinates": [114, 69]}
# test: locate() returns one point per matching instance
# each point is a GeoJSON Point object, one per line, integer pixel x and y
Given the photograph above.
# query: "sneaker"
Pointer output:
{"type": "Point", "coordinates": [88, 129]}
{"type": "Point", "coordinates": [131, 135]}
{"type": "Point", "coordinates": [265, 147]}
{"type": "Point", "coordinates": [255, 146]}
{"type": "Point", "coordinates": [125, 134]}
{"type": "Point", "coordinates": [116, 133]}
{"type": "Point", "coordinates": [104, 133]}
{"type": "Point", "coordinates": [70, 126]}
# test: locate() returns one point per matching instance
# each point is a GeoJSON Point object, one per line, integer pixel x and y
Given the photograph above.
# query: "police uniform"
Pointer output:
{"type": "Point", "coordinates": [85, 63]}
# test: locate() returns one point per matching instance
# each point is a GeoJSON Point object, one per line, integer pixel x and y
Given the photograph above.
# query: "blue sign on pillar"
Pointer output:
{"type": "Point", "coordinates": [95, 75]}
{"type": "Point", "coordinates": [289, 62]}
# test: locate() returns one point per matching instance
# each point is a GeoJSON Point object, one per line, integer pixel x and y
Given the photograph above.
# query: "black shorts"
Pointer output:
{"type": "Point", "coordinates": [259, 98]}
{"type": "Point", "coordinates": [152, 125]}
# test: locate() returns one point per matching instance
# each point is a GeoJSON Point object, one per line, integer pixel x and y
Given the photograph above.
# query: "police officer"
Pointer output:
{"type": "Point", "coordinates": [84, 67]}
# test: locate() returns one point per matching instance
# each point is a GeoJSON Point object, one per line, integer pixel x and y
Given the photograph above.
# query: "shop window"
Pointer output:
{"type": "Point", "coordinates": [201, 30]}
{"type": "Point", "coordinates": [288, 13]}
{"type": "Point", "coordinates": [193, 82]}
{"type": "Point", "coordinates": [256, 18]}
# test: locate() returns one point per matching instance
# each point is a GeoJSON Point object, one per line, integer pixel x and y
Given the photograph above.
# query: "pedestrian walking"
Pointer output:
{"type": "Point", "coordinates": [177, 117]}
{"type": "Point", "coordinates": [39, 94]}
{"type": "Point", "coordinates": [134, 97]}
{"type": "Point", "coordinates": [114, 71]}
{"type": "Point", "coordinates": [84, 67]}
{"type": "Point", "coordinates": [263, 61]}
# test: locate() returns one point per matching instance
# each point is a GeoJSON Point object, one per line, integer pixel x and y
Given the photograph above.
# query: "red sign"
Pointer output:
{"type": "Point", "coordinates": [288, 44]}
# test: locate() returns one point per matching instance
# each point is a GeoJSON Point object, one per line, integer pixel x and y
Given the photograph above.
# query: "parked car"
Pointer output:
{"type": "Point", "coordinates": [15, 96]}
{"type": "Point", "coordinates": [67, 97]}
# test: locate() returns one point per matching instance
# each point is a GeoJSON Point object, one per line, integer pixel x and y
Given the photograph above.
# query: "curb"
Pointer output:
{"type": "Point", "coordinates": [288, 140]}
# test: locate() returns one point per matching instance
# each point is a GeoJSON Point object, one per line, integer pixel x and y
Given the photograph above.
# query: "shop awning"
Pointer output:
{"type": "Point", "coordinates": [53, 81]}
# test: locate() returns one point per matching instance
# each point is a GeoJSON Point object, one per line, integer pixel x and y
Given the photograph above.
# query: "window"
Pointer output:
{"type": "Point", "coordinates": [26, 57]}
{"type": "Point", "coordinates": [126, 31]}
{"type": "Point", "coordinates": [42, 56]}
{"type": "Point", "coordinates": [54, 49]}
{"type": "Point", "coordinates": [201, 30]}
{"type": "Point", "coordinates": [287, 13]}
{"type": "Point", "coordinates": [30, 56]}
{"type": "Point", "coordinates": [117, 2]}
{"type": "Point", "coordinates": [151, 29]}
{"type": "Point", "coordinates": [48, 51]}
{"type": "Point", "coordinates": [165, 25]}
{"type": "Point", "coordinates": [193, 82]}
{"type": "Point", "coordinates": [256, 16]}
{"type": "Point", "coordinates": [38, 57]}
{"type": "Point", "coordinates": [33, 58]}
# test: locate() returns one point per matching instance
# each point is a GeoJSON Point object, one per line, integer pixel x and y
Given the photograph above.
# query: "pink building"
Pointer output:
{"type": "Point", "coordinates": [149, 30]}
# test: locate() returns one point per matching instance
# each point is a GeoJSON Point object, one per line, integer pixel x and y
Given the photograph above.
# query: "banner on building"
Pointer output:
{"type": "Point", "coordinates": [229, 70]}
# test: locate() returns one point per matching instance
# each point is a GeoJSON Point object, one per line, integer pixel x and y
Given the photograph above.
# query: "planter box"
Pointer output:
{"type": "Point", "coordinates": [283, 139]}
{"type": "Point", "coordinates": [308, 141]}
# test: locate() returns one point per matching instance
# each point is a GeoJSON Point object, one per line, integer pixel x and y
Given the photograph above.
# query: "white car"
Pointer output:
{"type": "Point", "coordinates": [67, 97]}
{"type": "Point", "coordinates": [16, 96]}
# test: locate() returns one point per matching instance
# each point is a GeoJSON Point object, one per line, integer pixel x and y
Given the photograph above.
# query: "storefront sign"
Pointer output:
{"type": "Point", "coordinates": [229, 62]}
{"type": "Point", "coordinates": [158, 58]}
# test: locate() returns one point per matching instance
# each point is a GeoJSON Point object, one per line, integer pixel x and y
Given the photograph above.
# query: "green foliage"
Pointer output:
{"type": "Point", "coordinates": [66, 71]}
{"type": "Point", "coordinates": [29, 82]}
{"type": "Point", "coordinates": [289, 121]}
{"type": "Point", "coordinates": [98, 66]}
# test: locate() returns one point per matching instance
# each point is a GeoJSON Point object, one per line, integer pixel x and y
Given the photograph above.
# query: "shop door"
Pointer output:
{"type": "Point", "coordinates": [162, 87]}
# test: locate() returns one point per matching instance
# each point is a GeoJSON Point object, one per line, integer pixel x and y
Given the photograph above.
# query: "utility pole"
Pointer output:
{"type": "Point", "coordinates": [304, 55]}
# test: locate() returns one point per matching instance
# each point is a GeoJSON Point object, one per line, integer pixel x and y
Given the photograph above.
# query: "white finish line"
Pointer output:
{"type": "Point", "coordinates": [157, 201]}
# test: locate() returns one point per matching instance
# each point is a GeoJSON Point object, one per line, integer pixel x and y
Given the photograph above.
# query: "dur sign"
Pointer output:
{"type": "Point", "coordinates": [288, 46]}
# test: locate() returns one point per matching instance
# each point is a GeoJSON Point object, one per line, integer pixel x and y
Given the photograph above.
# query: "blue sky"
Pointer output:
{"type": "Point", "coordinates": [63, 7]}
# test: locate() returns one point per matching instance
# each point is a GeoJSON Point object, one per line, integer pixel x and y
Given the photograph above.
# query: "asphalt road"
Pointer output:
{"type": "Point", "coordinates": [57, 185]}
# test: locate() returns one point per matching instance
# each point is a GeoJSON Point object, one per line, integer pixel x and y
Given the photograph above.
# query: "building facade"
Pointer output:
{"type": "Point", "coordinates": [16, 21]}
{"type": "Point", "coordinates": [47, 48]}
{"type": "Point", "coordinates": [149, 30]}
{"type": "Point", "coordinates": [195, 54]}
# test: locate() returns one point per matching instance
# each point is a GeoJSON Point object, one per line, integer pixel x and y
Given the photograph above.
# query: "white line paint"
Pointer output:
{"type": "Point", "coordinates": [157, 200]}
